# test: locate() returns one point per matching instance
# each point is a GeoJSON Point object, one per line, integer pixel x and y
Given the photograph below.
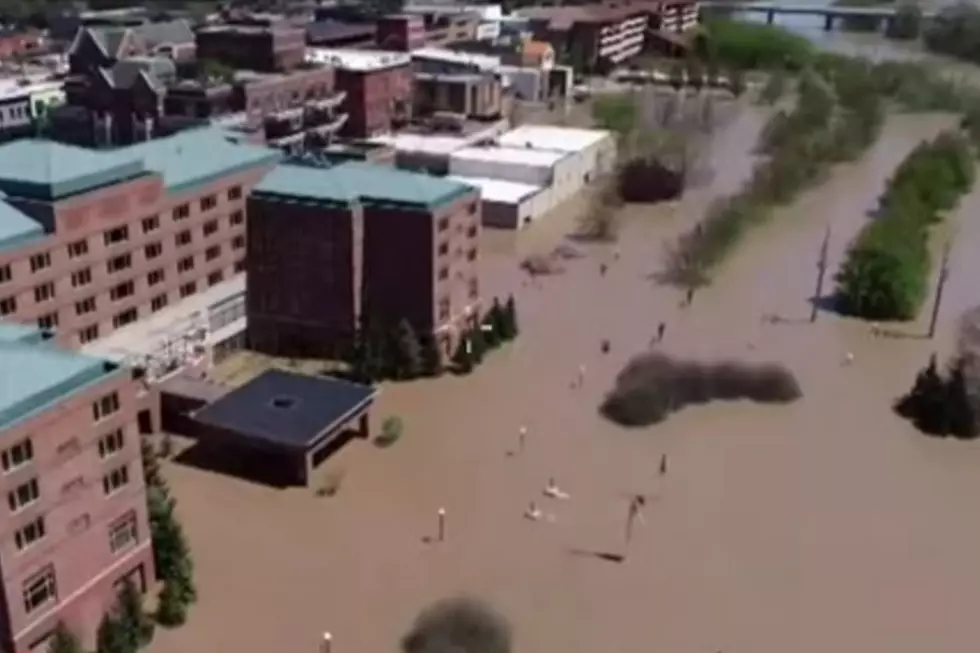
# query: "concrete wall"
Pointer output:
{"type": "Point", "coordinates": [77, 513]}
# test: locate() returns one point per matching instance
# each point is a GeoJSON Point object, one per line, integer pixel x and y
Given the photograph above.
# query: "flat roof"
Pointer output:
{"type": "Point", "coordinates": [283, 409]}
{"type": "Point", "coordinates": [35, 375]}
{"type": "Point", "coordinates": [424, 143]}
{"type": "Point", "coordinates": [16, 228]}
{"type": "Point", "coordinates": [556, 139]}
{"type": "Point", "coordinates": [514, 155]}
{"type": "Point", "coordinates": [200, 156]}
{"type": "Point", "coordinates": [497, 190]}
{"type": "Point", "coordinates": [14, 332]}
{"type": "Point", "coordinates": [357, 181]}
{"type": "Point", "coordinates": [357, 60]}
{"type": "Point", "coordinates": [481, 61]}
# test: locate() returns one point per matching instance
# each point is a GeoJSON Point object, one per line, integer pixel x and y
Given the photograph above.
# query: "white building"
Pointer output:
{"type": "Point", "coordinates": [508, 204]}
{"type": "Point", "coordinates": [593, 150]}
{"type": "Point", "coordinates": [430, 152]}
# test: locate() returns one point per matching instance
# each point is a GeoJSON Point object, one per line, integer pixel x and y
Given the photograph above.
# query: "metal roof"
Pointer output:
{"type": "Point", "coordinates": [356, 181]}
{"type": "Point", "coordinates": [36, 375]}
{"type": "Point", "coordinates": [282, 409]}
{"type": "Point", "coordinates": [498, 190]}
{"type": "Point", "coordinates": [554, 139]}
{"type": "Point", "coordinates": [510, 155]}
{"type": "Point", "coordinates": [16, 228]}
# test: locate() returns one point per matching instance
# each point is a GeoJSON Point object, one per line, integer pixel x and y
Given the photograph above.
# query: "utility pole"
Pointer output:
{"type": "Point", "coordinates": [943, 277]}
{"type": "Point", "coordinates": [821, 274]}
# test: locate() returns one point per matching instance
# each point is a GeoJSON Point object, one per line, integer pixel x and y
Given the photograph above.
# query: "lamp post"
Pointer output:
{"type": "Point", "coordinates": [326, 646]}
{"type": "Point", "coordinates": [940, 286]}
{"type": "Point", "coordinates": [821, 274]}
{"type": "Point", "coordinates": [442, 524]}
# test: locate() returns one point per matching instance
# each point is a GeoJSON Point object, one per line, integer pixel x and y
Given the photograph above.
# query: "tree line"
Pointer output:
{"type": "Point", "coordinates": [886, 272]}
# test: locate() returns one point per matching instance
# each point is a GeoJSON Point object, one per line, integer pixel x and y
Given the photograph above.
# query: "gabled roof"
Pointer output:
{"type": "Point", "coordinates": [175, 32]}
{"type": "Point", "coordinates": [154, 71]}
{"type": "Point", "coordinates": [110, 39]}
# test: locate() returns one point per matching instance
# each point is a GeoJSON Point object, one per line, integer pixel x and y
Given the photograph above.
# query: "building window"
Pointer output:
{"type": "Point", "coordinates": [185, 264]}
{"type": "Point", "coordinates": [472, 208]}
{"type": "Point", "coordinates": [210, 227]}
{"type": "Point", "coordinates": [85, 306]}
{"type": "Point", "coordinates": [40, 261]}
{"type": "Point", "coordinates": [88, 334]}
{"type": "Point", "coordinates": [44, 292]}
{"type": "Point", "coordinates": [183, 238]}
{"type": "Point", "coordinates": [444, 272]}
{"type": "Point", "coordinates": [443, 309]}
{"type": "Point", "coordinates": [181, 212]}
{"type": "Point", "coordinates": [106, 406]}
{"type": "Point", "coordinates": [81, 277]}
{"type": "Point", "coordinates": [235, 193]}
{"type": "Point", "coordinates": [443, 224]}
{"type": "Point", "coordinates": [158, 303]}
{"type": "Point", "coordinates": [474, 288]}
{"type": "Point", "coordinates": [29, 534]}
{"type": "Point", "coordinates": [208, 202]}
{"type": "Point", "coordinates": [48, 322]}
{"type": "Point", "coordinates": [122, 290]}
{"type": "Point", "coordinates": [17, 456]}
{"type": "Point", "coordinates": [5, 275]}
{"type": "Point", "coordinates": [40, 589]}
{"type": "Point", "coordinates": [238, 242]}
{"type": "Point", "coordinates": [151, 224]}
{"type": "Point", "coordinates": [78, 248]}
{"type": "Point", "coordinates": [215, 278]}
{"type": "Point", "coordinates": [118, 263]}
{"type": "Point", "coordinates": [122, 532]}
{"type": "Point", "coordinates": [23, 495]}
{"type": "Point", "coordinates": [239, 266]}
{"type": "Point", "coordinates": [188, 289]}
{"type": "Point", "coordinates": [128, 316]}
{"type": "Point", "coordinates": [236, 218]}
{"type": "Point", "coordinates": [111, 443]}
{"type": "Point", "coordinates": [117, 235]}
{"type": "Point", "coordinates": [153, 250]}
{"type": "Point", "coordinates": [443, 249]}
{"type": "Point", "coordinates": [154, 277]}
{"type": "Point", "coordinates": [212, 253]}
{"type": "Point", "coordinates": [8, 305]}
{"type": "Point", "coordinates": [472, 231]}
{"type": "Point", "coordinates": [471, 255]}
{"type": "Point", "coordinates": [115, 479]}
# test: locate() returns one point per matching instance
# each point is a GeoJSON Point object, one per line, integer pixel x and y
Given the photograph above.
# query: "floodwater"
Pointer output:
{"type": "Point", "coordinates": [825, 526]}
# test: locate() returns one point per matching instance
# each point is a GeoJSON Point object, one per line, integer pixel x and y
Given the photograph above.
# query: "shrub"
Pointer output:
{"type": "Point", "coordinates": [391, 431]}
{"type": "Point", "coordinates": [459, 625]}
{"type": "Point", "coordinates": [907, 23]}
{"type": "Point", "coordinates": [941, 406]}
{"type": "Point", "coordinates": [886, 272]}
{"type": "Point", "coordinates": [652, 386]}
{"type": "Point", "coordinates": [955, 31]}
{"type": "Point", "coordinates": [171, 609]}
{"type": "Point", "coordinates": [750, 46]}
{"type": "Point", "coordinates": [64, 641]}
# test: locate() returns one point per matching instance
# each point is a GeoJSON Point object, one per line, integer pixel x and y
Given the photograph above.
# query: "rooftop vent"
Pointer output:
{"type": "Point", "coordinates": [283, 402]}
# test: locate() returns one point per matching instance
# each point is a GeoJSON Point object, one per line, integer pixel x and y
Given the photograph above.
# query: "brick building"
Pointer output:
{"type": "Point", "coordinates": [92, 241]}
{"type": "Point", "coordinates": [76, 524]}
{"type": "Point", "coordinates": [377, 86]}
{"type": "Point", "coordinates": [329, 246]}
{"type": "Point", "coordinates": [599, 37]}
{"type": "Point", "coordinates": [253, 44]}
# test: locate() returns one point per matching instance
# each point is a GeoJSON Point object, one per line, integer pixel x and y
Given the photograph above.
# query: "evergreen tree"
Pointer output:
{"type": "Point", "coordinates": [925, 403]}
{"type": "Point", "coordinates": [171, 610]}
{"type": "Point", "coordinates": [134, 622]}
{"type": "Point", "coordinates": [170, 550]}
{"type": "Point", "coordinates": [408, 353]}
{"type": "Point", "coordinates": [510, 311]}
{"type": "Point", "coordinates": [960, 415]}
{"type": "Point", "coordinates": [497, 319]}
{"type": "Point", "coordinates": [463, 356]}
{"type": "Point", "coordinates": [478, 343]}
{"type": "Point", "coordinates": [151, 464]}
{"type": "Point", "coordinates": [111, 637]}
{"type": "Point", "coordinates": [64, 641]}
{"type": "Point", "coordinates": [430, 355]}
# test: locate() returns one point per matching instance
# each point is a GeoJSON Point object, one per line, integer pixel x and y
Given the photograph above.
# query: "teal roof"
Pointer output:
{"type": "Point", "coordinates": [36, 375]}
{"type": "Point", "coordinates": [199, 156]}
{"type": "Point", "coordinates": [356, 181]}
{"type": "Point", "coordinates": [46, 170]}
{"type": "Point", "coordinates": [13, 332]}
{"type": "Point", "coordinates": [16, 229]}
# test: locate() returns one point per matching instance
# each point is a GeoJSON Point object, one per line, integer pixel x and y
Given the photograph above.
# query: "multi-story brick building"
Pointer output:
{"type": "Point", "coordinates": [331, 246]}
{"type": "Point", "coordinates": [601, 36]}
{"type": "Point", "coordinates": [75, 524]}
{"type": "Point", "coordinates": [253, 44]}
{"type": "Point", "coordinates": [377, 86]}
{"type": "Point", "coordinates": [91, 241]}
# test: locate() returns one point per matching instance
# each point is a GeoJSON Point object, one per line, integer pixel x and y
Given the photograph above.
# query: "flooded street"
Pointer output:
{"type": "Point", "coordinates": [825, 525]}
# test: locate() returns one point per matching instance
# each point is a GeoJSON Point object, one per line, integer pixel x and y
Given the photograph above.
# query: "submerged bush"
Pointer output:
{"type": "Point", "coordinates": [752, 45]}
{"type": "Point", "coordinates": [652, 386]}
{"type": "Point", "coordinates": [459, 625]}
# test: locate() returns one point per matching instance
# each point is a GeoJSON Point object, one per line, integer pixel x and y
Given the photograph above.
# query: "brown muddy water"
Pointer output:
{"type": "Point", "coordinates": [826, 526]}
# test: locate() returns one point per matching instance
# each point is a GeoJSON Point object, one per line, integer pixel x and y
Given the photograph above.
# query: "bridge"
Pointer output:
{"type": "Point", "coordinates": [829, 13]}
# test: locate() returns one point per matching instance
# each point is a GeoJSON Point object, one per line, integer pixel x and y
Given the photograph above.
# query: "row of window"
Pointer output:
{"type": "Point", "coordinates": [46, 292]}
{"type": "Point", "coordinates": [41, 589]}
{"type": "Point", "coordinates": [118, 235]}
{"type": "Point", "coordinates": [29, 493]}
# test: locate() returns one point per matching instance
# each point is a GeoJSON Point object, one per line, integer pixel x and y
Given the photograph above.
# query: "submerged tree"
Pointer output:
{"type": "Point", "coordinates": [924, 403]}
{"type": "Point", "coordinates": [430, 355]}
{"type": "Point", "coordinates": [171, 609]}
{"type": "Point", "coordinates": [406, 352]}
{"type": "Point", "coordinates": [463, 362]}
{"type": "Point", "coordinates": [133, 621]}
{"type": "Point", "coordinates": [111, 637]}
{"type": "Point", "coordinates": [510, 310]}
{"type": "Point", "coordinates": [64, 641]}
{"type": "Point", "coordinates": [460, 625]}
{"type": "Point", "coordinates": [961, 420]}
